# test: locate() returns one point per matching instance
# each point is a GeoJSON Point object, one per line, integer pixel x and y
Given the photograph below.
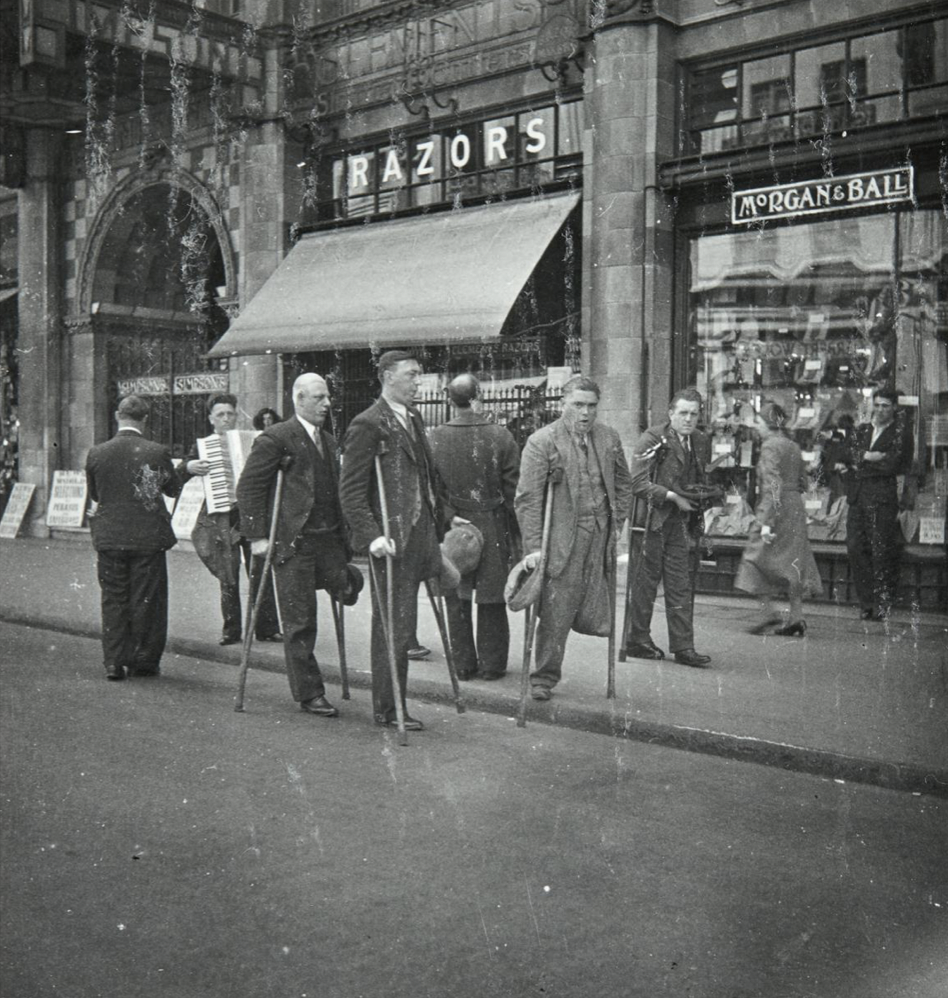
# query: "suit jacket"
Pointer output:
{"type": "Point", "coordinates": [377, 431]}
{"type": "Point", "coordinates": [127, 477]}
{"type": "Point", "coordinates": [660, 466]}
{"type": "Point", "coordinates": [548, 449]}
{"type": "Point", "coordinates": [875, 481]}
{"type": "Point", "coordinates": [257, 485]}
{"type": "Point", "coordinates": [479, 464]}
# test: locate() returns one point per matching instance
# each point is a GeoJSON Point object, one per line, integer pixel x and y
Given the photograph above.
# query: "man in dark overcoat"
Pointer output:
{"type": "Point", "coordinates": [882, 450]}
{"type": "Point", "coordinates": [310, 548]}
{"type": "Point", "coordinates": [392, 430]}
{"type": "Point", "coordinates": [666, 460]}
{"type": "Point", "coordinates": [479, 464]}
{"type": "Point", "coordinates": [131, 531]}
{"type": "Point", "coordinates": [582, 461]}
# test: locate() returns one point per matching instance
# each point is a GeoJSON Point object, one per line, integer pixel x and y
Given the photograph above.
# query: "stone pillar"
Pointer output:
{"type": "Point", "coordinates": [41, 330]}
{"type": "Point", "coordinates": [630, 116]}
{"type": "Point", "coordinates": [265, 190]}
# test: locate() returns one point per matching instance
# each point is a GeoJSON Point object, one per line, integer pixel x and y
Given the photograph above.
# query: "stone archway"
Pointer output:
{"type": "Point", "coordinates": [116, 216]}
{"type": "Point", "coordinates": [154, 271]}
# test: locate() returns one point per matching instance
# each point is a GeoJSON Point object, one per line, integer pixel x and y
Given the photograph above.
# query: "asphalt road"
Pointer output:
{"type": "Point", "coordinates": [154, 842]}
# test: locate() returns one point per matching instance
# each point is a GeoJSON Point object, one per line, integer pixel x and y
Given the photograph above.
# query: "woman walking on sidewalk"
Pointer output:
{"type": "Point", "coordinates": [778, 556]}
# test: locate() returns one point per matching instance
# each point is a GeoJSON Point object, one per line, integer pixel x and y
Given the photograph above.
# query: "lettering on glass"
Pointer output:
{"type": "Point", "coordinates": [812, 197]}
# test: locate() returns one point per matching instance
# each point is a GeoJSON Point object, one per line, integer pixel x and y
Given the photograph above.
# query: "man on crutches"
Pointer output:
{"type": "Point", "coordinates": [310, 550]}
{"type": "Point", "coordinates": [582, 463]}
{"type": "Point", "coordinates": [392, 501]}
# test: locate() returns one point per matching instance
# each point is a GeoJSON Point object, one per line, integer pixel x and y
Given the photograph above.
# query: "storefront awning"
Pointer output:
{"type": "Point", "coordinates": [448, 276]}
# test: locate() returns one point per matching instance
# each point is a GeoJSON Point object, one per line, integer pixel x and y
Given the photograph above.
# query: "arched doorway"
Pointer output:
{"type": "Point", "coordinates": [159, 271]}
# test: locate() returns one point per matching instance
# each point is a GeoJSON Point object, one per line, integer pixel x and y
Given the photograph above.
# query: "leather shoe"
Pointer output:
{"type": "Point", "coordinates": [644, 649]}
{"type": "Point", "coordinates": [114, 673]}
{"type": "Point", "coordinates": [411, 724]}
{"type": "Point", "coordinates": [419, 653]}
{"type": "Point", "coordinates": [688, 656]}
{"type": "Point", "coordinates": [319, 706]}
{"type": "Point", "coordinates": [490, 677]}
{"type": "Point", "coordinates": [229, 640]}
{"type": "Point", "coordinates": [143, 673]}
{"type": "Point", "coordinates": [541, 693]}
{"type": "Point", "coordinates": [276, 636]}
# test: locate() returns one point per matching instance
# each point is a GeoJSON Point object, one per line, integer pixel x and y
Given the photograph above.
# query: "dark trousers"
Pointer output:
{"type": "Point", "coordinates": [134, 587]}
{"type": "Point", "coordinates": [666, 556]}
{"type": "Point", "coordinates": [488, 655]}
{"type": "Point", "coordinates": [561, 600]}
{"type": "Point", "coordinates": [408, 572]}
{"type": "Point", "coordinates": [873, 540]}
{"type": "Point", "coordinates": [319, 563]}
{"type": "Point", "coordinates": [267, 622]}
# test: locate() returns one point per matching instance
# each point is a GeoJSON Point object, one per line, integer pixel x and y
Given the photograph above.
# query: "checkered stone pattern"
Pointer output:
{"type": "Point", "coordinates": [215, 166]}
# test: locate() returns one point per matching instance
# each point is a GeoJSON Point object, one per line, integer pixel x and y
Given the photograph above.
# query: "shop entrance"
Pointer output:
{"type": "Point", "coordinates": [158, 279]}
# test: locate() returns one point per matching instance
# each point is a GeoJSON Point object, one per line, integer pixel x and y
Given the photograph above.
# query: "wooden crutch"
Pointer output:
{"type": "Point", "coordinates": [389, 628]}
{"type": "Point", "coordinates": [264, 575]}
{"type": "Point", "coordinates": [530, 624]}
{"type": "Point", "coordinates": [438, 609]}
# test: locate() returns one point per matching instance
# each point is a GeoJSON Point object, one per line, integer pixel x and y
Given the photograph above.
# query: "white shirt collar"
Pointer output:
{"type": "Point", "coordinates": [130, 429]}
{"type": "Point", "coordinates": [310, 428]}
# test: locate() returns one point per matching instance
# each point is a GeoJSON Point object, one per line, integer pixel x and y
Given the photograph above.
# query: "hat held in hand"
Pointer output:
{"type": "Point", "coordinates": [355, 580]}
{"type": "Point", "coordinates": [463, 545]}
{"type": "Point", "coordinates": [523, 586]}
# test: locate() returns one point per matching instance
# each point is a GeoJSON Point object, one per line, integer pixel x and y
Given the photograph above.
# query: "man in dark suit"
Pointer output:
{"type": "Point", "coordinates": [479, 464]}
{"type": "Point", "coordinates": [392, 430]}
{"type": "Point", "coordinates": [218, 542]}
{"type": "Point", "coordinates": [666, 459]}
{"type": "Point", "coordinates": [882, 450]}
{"type": "Point", "coordinates": [131, 530]}
{"type": "Point", "coordinates": [310, 550]}
{"type": "Point", "coordinates": [590, 503]}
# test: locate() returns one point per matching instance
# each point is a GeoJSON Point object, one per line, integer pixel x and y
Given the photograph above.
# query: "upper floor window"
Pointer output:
{"type": "Point", "coordinates": [873, 79]}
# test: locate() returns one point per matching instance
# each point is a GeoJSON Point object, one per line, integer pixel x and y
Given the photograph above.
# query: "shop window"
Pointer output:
{"type": "Point", "coordinates": [815, 317]}
{"type": "Point", "coordinates": [862, 81]}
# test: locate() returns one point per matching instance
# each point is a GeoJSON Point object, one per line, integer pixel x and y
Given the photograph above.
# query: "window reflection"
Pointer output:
{"type": "Point", "coordinates": [814, 316]}
{"type": "Point", "coordinates": [863, 81]}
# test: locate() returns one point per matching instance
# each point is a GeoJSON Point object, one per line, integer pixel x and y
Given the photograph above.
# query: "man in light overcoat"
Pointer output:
{"type": "Point", "coordinates": [582, 461]}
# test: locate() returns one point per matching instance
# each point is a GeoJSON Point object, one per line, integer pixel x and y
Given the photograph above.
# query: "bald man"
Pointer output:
{"type": "Point", "coordinates": [310, 548]}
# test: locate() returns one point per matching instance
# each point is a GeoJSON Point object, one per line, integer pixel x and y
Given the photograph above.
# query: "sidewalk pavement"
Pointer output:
{"type": "Point", "coordinates": [853, 700]}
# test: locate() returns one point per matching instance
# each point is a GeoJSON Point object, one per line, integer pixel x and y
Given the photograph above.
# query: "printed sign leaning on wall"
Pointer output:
{"type": "Point", "coordinates": [67, 499]}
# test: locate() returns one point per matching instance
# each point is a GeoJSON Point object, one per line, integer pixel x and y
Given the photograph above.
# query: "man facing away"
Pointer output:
{"type": "Point", "coordinates": [392, 430]}
{"type": "Point", "coordinates": [479, 465]}
{"type": "Point", "coordinates": [666, 459]}
{"type": "Point", "coordinates": [582, 461]}
{"type": "Point", "coordinates": [882, 450]}
{"type": "Point", "coordinates": [310, 549]}
{"type": "Point", "coordinates": [217, 538]}
{"type": "Point", "coordinates": [131, 530]}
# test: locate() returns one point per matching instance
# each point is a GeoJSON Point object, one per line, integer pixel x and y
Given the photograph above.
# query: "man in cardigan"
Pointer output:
{"type": "Point", "coordinates": [582, 461]}
{"type": "Point", "coordinates": [131, 530]}
{"type": "Point", "coordinates": [217, 539]}
{"type": "Point", "coordinates": [666, 459]}
{"type": "Point", "coordinates": [882, 450]}
{"type": "Point", "coordinates": [310, 549]}
{"type": "Point", "coordinates": [392, 430]}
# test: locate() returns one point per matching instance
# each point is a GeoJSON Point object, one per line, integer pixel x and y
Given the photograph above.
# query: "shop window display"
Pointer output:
{"type": "Point", "coordinates": [815, 317]}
